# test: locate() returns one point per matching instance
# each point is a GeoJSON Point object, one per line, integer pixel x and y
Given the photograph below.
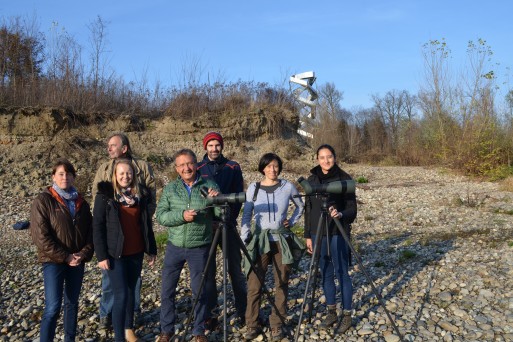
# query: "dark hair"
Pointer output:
{"type": "Point", "coordinates": [66, 164]}
{"type": "Point", "coordinates": [124, 142]}
{"type": "Point", "coordinates": [267, 159]}
{"type": "Point", "coordinates": [326, 146]}
{"type": "Point", "coordinates": [185, 152]}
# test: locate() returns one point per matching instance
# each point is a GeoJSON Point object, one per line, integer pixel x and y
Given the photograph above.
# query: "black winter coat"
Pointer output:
{"type": "Point", "coordinates": [108, 235]}
{"type": "Point", "coordinates": [344, 203]}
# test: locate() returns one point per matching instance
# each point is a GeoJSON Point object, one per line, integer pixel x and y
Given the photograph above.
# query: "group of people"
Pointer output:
{"type": "Point", "coordinates": [120, 231]}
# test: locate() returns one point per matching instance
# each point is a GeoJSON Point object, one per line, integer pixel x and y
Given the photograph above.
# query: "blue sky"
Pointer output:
{"type": "Point", "coordinates": [364, 47]}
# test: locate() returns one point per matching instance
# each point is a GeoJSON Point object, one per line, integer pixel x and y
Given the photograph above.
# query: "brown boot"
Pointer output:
{"type": "Point", "coordinates": [347, 322]}
{"type": "Point", "coordinates": [130, 335]}
{"type": "Point", "coordinates": [331, 318]}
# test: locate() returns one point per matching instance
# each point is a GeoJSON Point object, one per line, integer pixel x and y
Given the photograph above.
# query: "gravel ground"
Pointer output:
{"type": "Point", "coordinates": [438, 248]}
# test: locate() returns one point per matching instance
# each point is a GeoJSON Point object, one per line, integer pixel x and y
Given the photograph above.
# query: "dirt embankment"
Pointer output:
{"type": "Point", "coordinates": [32, 138]}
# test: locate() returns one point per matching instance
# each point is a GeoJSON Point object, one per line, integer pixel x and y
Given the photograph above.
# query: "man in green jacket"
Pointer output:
{"type": "Point", "coordinates": [181, 208]}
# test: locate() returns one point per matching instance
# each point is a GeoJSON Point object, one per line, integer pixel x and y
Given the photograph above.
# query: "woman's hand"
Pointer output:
{"type": "Point", "coordinates": [74, 259]}
{"type": "Point", "coordinates": [151, 260]}
{"type": "Point", "coordinates": [309, 246]}
{"type": "Point", "coordinates": [104, 264]}
{"type": "Point", "coordinates": [286, 223]}
{"type": "Point", "coordinates": [335, 213]}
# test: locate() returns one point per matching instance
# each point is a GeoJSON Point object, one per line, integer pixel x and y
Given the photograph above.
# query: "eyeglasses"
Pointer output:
{"type": "Point", "coordinates": [181, 166]}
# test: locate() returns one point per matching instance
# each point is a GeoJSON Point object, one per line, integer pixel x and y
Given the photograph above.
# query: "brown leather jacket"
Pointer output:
{"type": "Point", "coordinates": [55, 233]}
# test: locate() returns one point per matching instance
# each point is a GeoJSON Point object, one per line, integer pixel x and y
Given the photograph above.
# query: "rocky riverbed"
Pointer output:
{"type": "Point", "coordinates": [438, 248]}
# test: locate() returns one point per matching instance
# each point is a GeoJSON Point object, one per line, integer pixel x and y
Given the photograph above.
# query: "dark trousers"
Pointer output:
{"type": "Point", "coordinates": [174, 261]}
{"type": "Point", "coordinates": [335, 265]}
{"type": "Point", "coordinates": [123, 275]}
{"type": "Point", "coordinates": [107, 299]}
{"type": "Point", "coordinates": [281, 284]}
{"type": "Point", "coordinates": [59, 278]}
{"type": "Point", "coordinates": [237, 278]}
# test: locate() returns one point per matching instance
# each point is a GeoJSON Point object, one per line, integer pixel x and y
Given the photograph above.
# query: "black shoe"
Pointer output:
{"type": "Point", "coordinates": [211, 324]}
{"type": "Point", "coordinates": [138, 319]}
{"type": "Point", "coordinates": [252, 333]}
{"type": "Point", "coordinates": [105, 322]}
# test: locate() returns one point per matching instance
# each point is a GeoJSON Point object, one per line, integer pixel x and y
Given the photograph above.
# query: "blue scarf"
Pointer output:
{"type": "Point", "coordinates": [69, 196]}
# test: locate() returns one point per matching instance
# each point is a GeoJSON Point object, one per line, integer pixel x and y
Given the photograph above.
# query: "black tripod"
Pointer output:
{"type": "Point", "coordinates": [322, 230]}
{"type": "Point", "coordinates": [222, 233]}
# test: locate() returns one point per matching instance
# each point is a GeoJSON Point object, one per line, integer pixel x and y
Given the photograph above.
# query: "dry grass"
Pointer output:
{"type": "Point", "coordinates": [506, 184]}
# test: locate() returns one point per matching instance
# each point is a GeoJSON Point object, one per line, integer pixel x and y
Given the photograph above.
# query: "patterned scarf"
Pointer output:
{"type": "Point", "coordinates": [126, 198]}
{"type": "Point", "coordinates": [69, 196]}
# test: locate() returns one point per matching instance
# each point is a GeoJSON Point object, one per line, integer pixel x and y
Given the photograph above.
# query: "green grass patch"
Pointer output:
{"type": "Point", "coordinates": [407, 255]}
{"type": "Point", "coordinates": [510, 243]}
{"type": "Point", "coordinates": [161, 239]}
{"type": "Point", "coordinates": [362, 179]}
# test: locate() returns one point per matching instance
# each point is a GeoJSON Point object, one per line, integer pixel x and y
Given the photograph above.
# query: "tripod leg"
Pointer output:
{"type": "Point", "coordinates": [225, 329]}
{"type": "Point", "coordinates": [312, 272]}
{"type": "Point", "coordinates": [211, 255]}
{"type": "Point", "coordinates": [371, 282]}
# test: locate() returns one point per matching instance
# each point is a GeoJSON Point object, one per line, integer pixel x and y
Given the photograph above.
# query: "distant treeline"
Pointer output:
{"type": "Point", "coordinates": [457, 124]}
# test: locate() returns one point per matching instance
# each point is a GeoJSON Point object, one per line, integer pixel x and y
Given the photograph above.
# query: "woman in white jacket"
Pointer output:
{"type": "Point", "coordinates": [267, 205]}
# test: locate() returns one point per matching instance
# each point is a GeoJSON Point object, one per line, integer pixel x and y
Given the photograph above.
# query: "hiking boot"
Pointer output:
{"type": "Point", "coordinates": [200, 338]}
{"type": "Point", "coordinates": [331, 318]}
{"type": "Point", "coordinates": [277, 334]}
{"type": "Point", "coordinates": [252, 333]}
{"type": "Point", "coordinates": [165, 337]}
{"type": "Point", "coordinates": [347, 322]}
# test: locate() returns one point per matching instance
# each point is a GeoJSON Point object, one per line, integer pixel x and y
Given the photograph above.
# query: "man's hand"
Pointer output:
{"type": "Point", "coordinates": [189, 215]}
{"type": "Point", "coordinates": [212, 192]}
{"type": "Point", "coordinates": [286, 224]}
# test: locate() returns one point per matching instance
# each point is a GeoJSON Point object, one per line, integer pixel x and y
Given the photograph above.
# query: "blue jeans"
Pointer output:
{"type": "Point", "coordinates": [174, 261]}
{"type": "Point", "coordinates": [59, 278]}
{"type": "Point", "coordinates": [123, 274]}
{"type": "Point", "coordinates": [107, 299]}
{"type": "Point", "coordinates": [336, 264]}
{"type": "Point", "coordinates": [237, 278]}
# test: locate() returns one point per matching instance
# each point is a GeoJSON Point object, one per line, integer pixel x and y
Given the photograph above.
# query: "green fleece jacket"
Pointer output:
{"type": "Point", "coordinates": [292, 248]}
{"type": "Point", "coordinates": [174, 201]}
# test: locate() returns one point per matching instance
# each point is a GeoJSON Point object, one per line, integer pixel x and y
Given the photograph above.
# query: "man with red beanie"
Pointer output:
{"type": "Point", "coordinates": [228, 175]}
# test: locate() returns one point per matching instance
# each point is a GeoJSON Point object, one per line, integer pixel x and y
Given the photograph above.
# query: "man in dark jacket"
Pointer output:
{"type": "Point", "coordinates": [228, 175]}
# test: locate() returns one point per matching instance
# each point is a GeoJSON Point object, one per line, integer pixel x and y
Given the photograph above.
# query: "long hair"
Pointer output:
{"type": "Point", "coordinates": [134, 185]}
{"type": "Point", "coordinates": [124, 142]}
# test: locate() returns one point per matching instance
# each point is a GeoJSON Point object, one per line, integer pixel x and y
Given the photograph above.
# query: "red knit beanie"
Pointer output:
{"type": "Point", "coordinates": [212, 136]}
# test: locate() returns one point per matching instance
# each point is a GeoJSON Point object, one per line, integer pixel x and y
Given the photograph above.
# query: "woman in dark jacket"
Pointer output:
{"type": "Point", "coordinates": [336, 264]}
{"type": "Point", "coordinates": [60, 225]}
{"type": "Point", "coordinates": [122, 233]}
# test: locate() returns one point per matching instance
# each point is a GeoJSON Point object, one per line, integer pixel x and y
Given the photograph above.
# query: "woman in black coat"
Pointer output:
{"type": "Point", "coordinates": [122, 233]}
{"type": "Point", "coordinates": [336, 264]}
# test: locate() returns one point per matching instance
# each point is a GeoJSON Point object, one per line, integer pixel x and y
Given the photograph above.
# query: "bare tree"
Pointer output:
{"type": "Point", "coordinates": [98, 42]}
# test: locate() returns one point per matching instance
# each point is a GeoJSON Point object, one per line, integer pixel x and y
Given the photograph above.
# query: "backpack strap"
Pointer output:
{"type": "Point", "coordinates": [255, 194]}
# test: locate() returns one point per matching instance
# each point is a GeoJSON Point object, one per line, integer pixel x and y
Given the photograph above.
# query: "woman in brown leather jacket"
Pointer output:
{"type": "Point", "coordinates": [61, 228]}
